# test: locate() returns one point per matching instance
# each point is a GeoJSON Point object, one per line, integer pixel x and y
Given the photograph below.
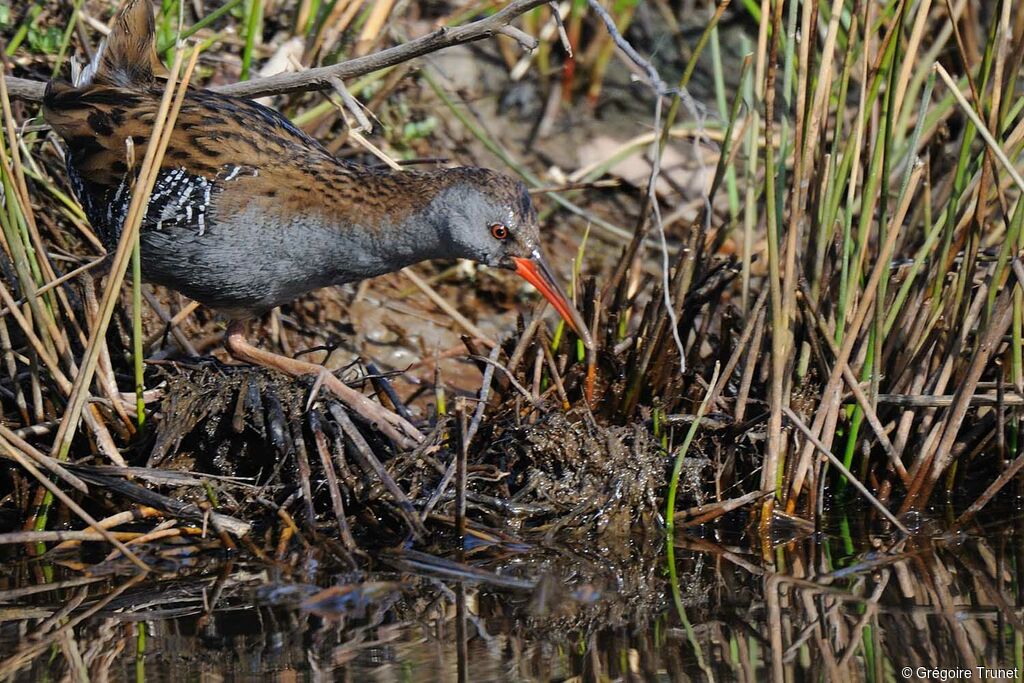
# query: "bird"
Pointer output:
{"type": "Point", "coordinates": [248, 212]}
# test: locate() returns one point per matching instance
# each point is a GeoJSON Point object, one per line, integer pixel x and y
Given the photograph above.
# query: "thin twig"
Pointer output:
{"type": "Point", "coordinates": [10, 440]}
{"type": "Point", "coordinates": [511, 378]}
{"type": "Point", "coordinates": [485, 393]}
{"type": "Point", "coordinates": [838, 464]}
{"type": "Point", "coordinates": [56, 283]}
{"type": "Point", "coordinates": [320, 78]}
{"type": "Point", "coordinates": [946, 400]}
{"type": "Point", "coordinates": [327, 464]}
{"type": "Point", "coordinates": [452, 312]}
{"type": "Point", "coordinates": [405, 506]}
{"type": "Point", "coordinates": [983, 130]}
{"type": "Point", "coordinates": [702, 514]}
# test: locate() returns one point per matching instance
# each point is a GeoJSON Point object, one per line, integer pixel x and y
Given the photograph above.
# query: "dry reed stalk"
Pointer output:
{"type": "Point", "coordinates": [10, 441]}
{"type": "Point", "coordinates": [862, 399]}
{"type": "Point", "coordinates": [741, 345]}
{"type": "Point", "coordinates": [823, 86]}
{"type": "Point", "coordinates": [750, 366]}
{"type": "Point", "coordinates": [556, 376]}
{"type": "Point", "coordinates": [828, 414]}
{"type": "Point", "coordinates": [160, 137]}
{"type": "Point", "coordinates": [779, 321]}
{"type": "Point", "coordinates": [871, 608]}
{"type": "Point", "coordinates": [172, 324]}
{"type": "Point", "coordinates": [772, 592]}
{"type": "Point", "coordinates": [532, 398]}
{"type": "Point", "coordinates": [53, 335]}
{"type": "Point", "coordinates": [37, 344]}
{"type": "Point", "coordinates": [933, 429]}
{"type": "Point", "coordinates": [105, 381]}
{"type": "Point", "coordinates": [50, 336]}
{"type": "Point", "coordinates": [115, 520]}
{"type": "Point", "coordinates": [855, 181]}
{"type": "Point", "coordinates": [405, 507]}
{"type": "Point", "coordinates": [818, 627]}
{"type": "Point", "coordinates": [161, 531]}
{"type": "Point", "coordinates": [992, 144]}
{"type": "Point", "coordinates": [484, 396]}
{"type": "Point", "coordinates": [337, 502]}
{"type": "Point", "coordinates": [703, 514]}
{"type": "Point", "coordinates": [341, 15]}
{"type": "Point", "coordinates": [305, 473]}
{"type": "Point", "coordinates": [460, 457]}
{"type": "Point", "coordinates": [838, 464]}
{"type": "Point", "coordinates": [913, 44]}
{"type": "Point", "coordinates": [526, 338]}
{"type": "Point", "coordinates": [983, 579]}
{"type": "Point", "coordinates": [70, 275]}
{"type": "Point", "coordinates": [933, 467]}
{"type": "Point", "coordinates": [26, 591]}
{"type": "Point", "coordinates": [55, 490]}
{"type": "Point", "coordinates": [303, 16]}
{"type": "Point", "coordinates": [14, 169]}
{"type": "Point", "coordinates": [993, 489]}
{"type": "Point", "coordinates": [379, 13]}
{"type": "Point", "coordinates": [11, 366]}
{"type": "Point", "coordinates": [946, 400]}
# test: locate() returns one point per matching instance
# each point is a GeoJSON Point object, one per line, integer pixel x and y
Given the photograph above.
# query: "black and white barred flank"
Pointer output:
{"type": "Point", "coordinates": [179, 201]}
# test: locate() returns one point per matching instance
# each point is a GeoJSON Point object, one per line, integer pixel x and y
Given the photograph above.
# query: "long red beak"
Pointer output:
{"type": "Point", "coordinates": [535, 270]}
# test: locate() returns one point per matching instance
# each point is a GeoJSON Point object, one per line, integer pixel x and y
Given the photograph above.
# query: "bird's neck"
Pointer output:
{"type": "Point", "coordinates": [392, 219]}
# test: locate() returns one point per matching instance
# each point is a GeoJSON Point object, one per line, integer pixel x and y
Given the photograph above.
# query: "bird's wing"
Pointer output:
{"type": "Point", "coordinates": [216, 139]}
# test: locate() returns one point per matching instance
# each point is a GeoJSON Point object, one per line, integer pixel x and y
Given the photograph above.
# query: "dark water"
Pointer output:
{"type": "Point", "coordinates": [855, 603]}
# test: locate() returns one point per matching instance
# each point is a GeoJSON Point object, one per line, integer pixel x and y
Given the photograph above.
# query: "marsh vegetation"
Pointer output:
{"type": "Point", "coordinates": [794, 450]}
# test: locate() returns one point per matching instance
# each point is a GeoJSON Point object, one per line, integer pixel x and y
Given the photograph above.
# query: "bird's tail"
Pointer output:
{"type": "Point", "coordinates": [127, 57]}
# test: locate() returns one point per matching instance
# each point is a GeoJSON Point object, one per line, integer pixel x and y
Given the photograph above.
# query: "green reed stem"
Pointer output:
{"type": "Point", "coordinates": [65, 39]}
{"type": "Point", "coordinates": [140, 653]}
{"type": "Point", "coordinates": [168, 43]}
{"type": "Point", "coordinates": [718, 72]}
{"type": "Point", "coordinates": [677, 599]}
{"type": "Point", "coordinates": [677, 468]}
{"type": "Point", "coordinates": [253, 27]}
{"type": "Point", "coordinates": [577, 268]}
{"type": "Point", "coordinates": [750, 212]}
{"type": "Point", "coordinates": [26, 25]}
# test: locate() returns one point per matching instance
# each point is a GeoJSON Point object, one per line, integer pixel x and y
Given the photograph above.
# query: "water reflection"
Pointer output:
{"type": "Point", "coordinates": [823, 607]}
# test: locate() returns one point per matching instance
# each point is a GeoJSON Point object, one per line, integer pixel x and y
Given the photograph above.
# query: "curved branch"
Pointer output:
{"type": "Point", "coordinates": [320, 78]}
{"type": "Point", "coordinates": [25, 89]}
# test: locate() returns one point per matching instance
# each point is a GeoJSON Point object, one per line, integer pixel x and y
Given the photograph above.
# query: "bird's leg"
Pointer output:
{"type": "Point", "coordinates": [395, 426]}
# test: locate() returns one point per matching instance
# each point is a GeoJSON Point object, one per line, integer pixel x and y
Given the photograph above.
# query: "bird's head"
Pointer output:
{"type": "Point", "coordinates": [490, 219]}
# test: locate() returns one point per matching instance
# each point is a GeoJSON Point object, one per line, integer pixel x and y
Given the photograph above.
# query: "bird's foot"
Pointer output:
{"type": "Point", "coordinates": [393, 425]}
{"type": "Point", "coordinates": [389, 422]}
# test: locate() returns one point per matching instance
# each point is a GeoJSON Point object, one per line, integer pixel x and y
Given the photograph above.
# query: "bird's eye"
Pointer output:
{"type": "Point", "coordinates": [499, 231]}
